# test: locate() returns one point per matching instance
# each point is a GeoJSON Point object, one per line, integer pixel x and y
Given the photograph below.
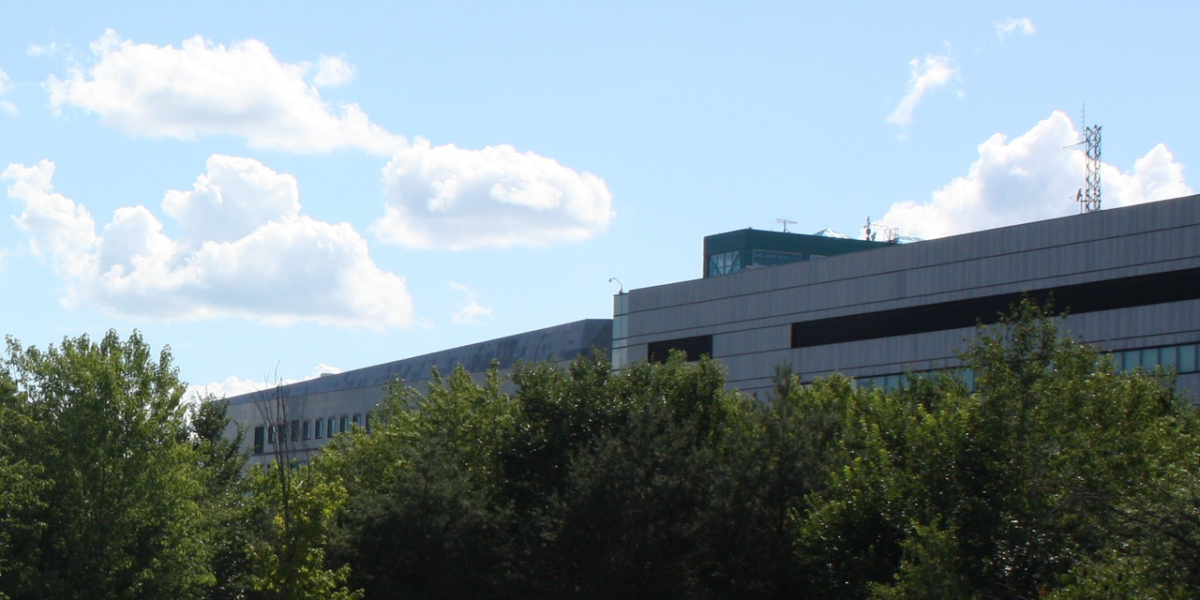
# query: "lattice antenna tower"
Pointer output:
{"type": "Point", "coordinates": [785, 223]}
{"type": "Point", "coordinates": [1089, 196]}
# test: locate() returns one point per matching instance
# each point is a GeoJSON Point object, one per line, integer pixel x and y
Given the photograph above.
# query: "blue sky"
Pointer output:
{"type": "Point", "coordinates": [274, 189]}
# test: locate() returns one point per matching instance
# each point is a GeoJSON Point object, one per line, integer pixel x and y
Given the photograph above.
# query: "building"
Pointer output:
{"type": "Point", "coordinates": [299, 418]}
{"type": "Point", "coordinates": [1129, 277]}
{"type": "Point", "coordinates": [726, 253]}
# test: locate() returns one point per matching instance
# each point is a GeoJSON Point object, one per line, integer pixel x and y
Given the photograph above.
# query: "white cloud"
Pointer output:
{"type": "Point", "coordinates": [1011, 27]}
{"type": "Point", "coordinates": [203, 88]}
{"type": "Point", "coordinates": [235, 386]}
{"type": "Point", "coordinates": [439, 196]}
{"type": "Point", "coordinates": [1155, 176]}
{"type": "Point", "coordinates": [925, 75]}
{"type": "Point", "coordinates": [50, 49]}
{"type": "Point", "coordinates": [58, 229]}
{"type": "Point", "coordinates": [471, 312]}
{"type": "Point", "coordinates": [332, 71]}
{"type": "Point", "coordinates": [1031, 178]}
{"type": "Point", "coordinates": [229, 387]}
{"type": "Point", "coordinates": [245, 252]}
{"type": "Point", "coordinates": [233, 199]}
{"type": "Point", "coordinates": [449, 197]}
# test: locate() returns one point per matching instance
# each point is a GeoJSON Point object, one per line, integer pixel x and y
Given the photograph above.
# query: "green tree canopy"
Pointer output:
{"type": "Point", "coordinates": [103, 433]}
{"type": "Point", "coordinates": [1051, 469]}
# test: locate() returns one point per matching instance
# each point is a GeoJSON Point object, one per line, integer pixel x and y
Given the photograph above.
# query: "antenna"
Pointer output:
{"type": "Point", "coordinates": [871, 230]}
{"type": "Point", "coordinates": [785, 223]}
{"type": "Point", "coordinates": [1089, 197]}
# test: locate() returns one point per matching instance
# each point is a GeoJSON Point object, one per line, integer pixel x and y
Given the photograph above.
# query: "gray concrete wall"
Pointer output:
{"type": "Point", "coordinates": [360, 391]}
{"type": "Point", "coordinates": [750, 313]}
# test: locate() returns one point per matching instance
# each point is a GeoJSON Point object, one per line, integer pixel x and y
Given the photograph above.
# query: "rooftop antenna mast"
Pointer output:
{"type": "Point", "coordinates": [1089, 197]}
{"type": "Point", "coordinates": [785, 223]}
{"type": "Point", "coordinates": [871, 230]}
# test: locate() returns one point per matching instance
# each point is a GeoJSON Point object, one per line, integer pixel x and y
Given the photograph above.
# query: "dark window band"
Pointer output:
{"type": "Point", "coordinates": [693, 347]}
{"type": "Point", "coordinates": [1129, 292]}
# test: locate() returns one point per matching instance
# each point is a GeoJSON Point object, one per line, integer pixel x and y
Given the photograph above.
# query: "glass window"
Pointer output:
{"type": "Point", "coordinates": [319, 429]}
{"type": "Point", "coordinates": [723, 263]}
{"type": "Point", "coordinates": [295, 431]}
{"type": "Point", "coordinates": [356, 419]}
{"type": "Point", "coordinates": [1187, 358]}
{"type": "Point", "coordinates": [892, 382]}
{"type": "Point", "coordinates": [344, 424]}
{"type": "Point", "coordinates": [306, 430]}
{"type": "Point", "coordinates": [270, 434]}
{"type": "Point", "coordinates": [331, 426]}
{"type": "Point", "coordinates": [768, 258]}
{"type": "Point", "coordinates": [1149, 358]}
{"type": "Point", "coordinates": [1130, 360]}
{"type": "Point", "coordinates": [1167, 357]}
{"type": "Point", "coordinates": [258, 439]}
{"type": "Point", "coordinates": [369, 420]}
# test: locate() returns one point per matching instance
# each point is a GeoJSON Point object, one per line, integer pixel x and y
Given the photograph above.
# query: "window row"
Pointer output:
{"type": "Point", "coordinates": [297, 430]}
{"type": "Point", "coordinates": [1182, 359]}
{"type": "Point", "coordinates": [724, 263]}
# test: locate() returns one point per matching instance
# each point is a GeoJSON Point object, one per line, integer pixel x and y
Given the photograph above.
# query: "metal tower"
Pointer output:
{"type": "Point", "coordinates": [1091, 197]}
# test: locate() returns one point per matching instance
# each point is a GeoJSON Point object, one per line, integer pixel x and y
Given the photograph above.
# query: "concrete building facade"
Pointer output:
{"type": "Point", "coordinates": [299, 418]}
{"type": "Point", "coordinates": [1129, 277]}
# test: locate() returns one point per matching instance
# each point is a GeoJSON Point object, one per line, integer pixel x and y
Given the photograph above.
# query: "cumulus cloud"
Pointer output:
{"type": "Point", "coordinates": [438, 196]}
{"type": "Point", "coordinates": [245, 251]}
{"type": "Point", "coordinates": [1031, 177]}
{"type": "Point", "coordinates": [1011, 27]}
{"type": "Point", "coordinates": [235, 386]}
{"type": "Point", "coordinates": [332, 71]}
{"type": "Point", "coordinates": [926, 74]}
{"type": "Point", "coordinates": [445, 196]}
{"type": "Point", "coordinates": [203, 88]}
{"type": "Point", "coordinates": [471, 312]}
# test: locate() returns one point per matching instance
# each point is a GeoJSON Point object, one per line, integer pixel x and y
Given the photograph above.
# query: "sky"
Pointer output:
{"type": "Point", "coordinates": [276, 190]}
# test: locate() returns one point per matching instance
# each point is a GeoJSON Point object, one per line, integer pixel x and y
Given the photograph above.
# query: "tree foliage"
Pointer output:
{"type": "Point", "coordinates": [104, 441]}
{"type": "Point", "coordinates": [293, 505]}
{"type": "Point", "coordinates": [1054, 467]}
{"type": "Point", "coordinates": [1052, 476]}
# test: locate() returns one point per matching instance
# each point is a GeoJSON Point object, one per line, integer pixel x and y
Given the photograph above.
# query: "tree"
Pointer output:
{"type": "Point", "coordinates": [1056, 472]}
{"type": "Point", "coordinates": [225, 502]}
{"type": "Point", "coordinates": [425, 517]}
{"type": "Point", "coordinates": [290, 510]}
{"type": "Point", "coordinates": [20, 486]}
{"type": "Point", "coordinates": [118, 511]}
{"type": "Point", "coordinates": [289, 555]}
